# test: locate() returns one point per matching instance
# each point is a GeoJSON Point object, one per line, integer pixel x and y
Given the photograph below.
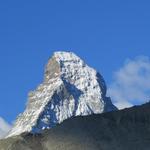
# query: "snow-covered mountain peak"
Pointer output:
{"type": "Point", "coordinates": [63, 62]}
{"type": "Point", "coordinates": [66, 56]}
{"type": "Point", "coordinates": [70, 88]}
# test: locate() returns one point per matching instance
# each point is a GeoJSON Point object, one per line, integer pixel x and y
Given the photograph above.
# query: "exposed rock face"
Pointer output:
{"type": "Point", "coordinates": [70, 88]}
{"type": "Point", "coordinates": [127, 129]}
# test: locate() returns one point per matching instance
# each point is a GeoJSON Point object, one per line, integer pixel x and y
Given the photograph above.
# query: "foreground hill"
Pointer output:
{"type": "Point", "coordinates": [128, 129]}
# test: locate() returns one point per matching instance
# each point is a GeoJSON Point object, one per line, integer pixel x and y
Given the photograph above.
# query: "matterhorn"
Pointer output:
{"type": "Point", "coordinates": [70, 88]}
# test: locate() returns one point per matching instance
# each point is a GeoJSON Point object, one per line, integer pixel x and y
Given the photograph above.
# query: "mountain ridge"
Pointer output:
{"type": "Point", "coordinates": [126, 129]}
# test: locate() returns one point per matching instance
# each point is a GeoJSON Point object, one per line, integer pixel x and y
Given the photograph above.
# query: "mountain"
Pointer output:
{"type": "Point", "coordinates": [127, 129]}
{"type": "Point", "coordinates": [70, 88]}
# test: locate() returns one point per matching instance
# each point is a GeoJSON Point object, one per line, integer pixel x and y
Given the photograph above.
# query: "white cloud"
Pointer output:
{"type": "Point", "coordinates": [4, 127]}
{"type": "Point", "coordinates": [131, 84]}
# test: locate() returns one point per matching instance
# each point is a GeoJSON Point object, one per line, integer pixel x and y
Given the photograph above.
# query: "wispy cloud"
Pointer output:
{"type": "Point", "coordinates": [4, 127]}
{"type": "Point", "coordinates": [131, 84]}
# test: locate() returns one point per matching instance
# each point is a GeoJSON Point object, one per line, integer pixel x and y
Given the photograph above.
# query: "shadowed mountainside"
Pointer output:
{"type": "Point", "coordinates": [127, 129]}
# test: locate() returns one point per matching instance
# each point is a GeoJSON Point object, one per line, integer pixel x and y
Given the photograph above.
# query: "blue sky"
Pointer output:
{"type": "Point", "coordinates": [104, 33]}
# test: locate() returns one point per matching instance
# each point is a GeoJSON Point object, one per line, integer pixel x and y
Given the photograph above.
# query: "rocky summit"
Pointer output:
{"type": "Point", "coordinates": [70, 88]}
